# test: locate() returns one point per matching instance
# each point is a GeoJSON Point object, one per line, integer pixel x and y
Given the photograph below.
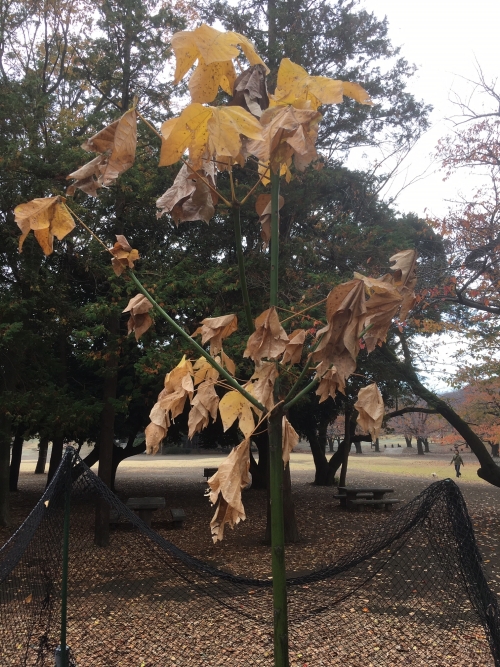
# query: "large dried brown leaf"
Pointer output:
{"type": "Point", "coordinates": [405, 278]}
{"type": "Point", "coordinates": [287, 132]}
{"type": "Point", "coordinates": [203, 406]}
{"type": "Point", "coordinates": [262, 383]}
{"type": "Point", "coordinates": [140, 320]}
{"type": "Point", "coordinates": [269, 339]}
{"type": "Point", "coordinates": [228, 482]}
{"type": "Point", "coordinates": [89, 177]}
{"type": "Point", "coordinates": [215, 330]}
{"type": "Point", "coordinates": [157, 429]}
{"type": "Point", "coordinates": [330, 383]}
{"type": "Point", "coordinates": [289, 440]}
{"type": "Point", "coordinates": [188, 199]}
{"type": "Point", "coordinates": [47, 217]}
{"type": "Point", "coordinates": [293, 350]}
{"type": "Point", "coordinates": [123, 255]}
{"type": "Point", "coordinates": [370, 407]}
{"type": "Point", "coordinates": [118, 141]}
{"type": "Point", "coordinates": [346, 312]}
{"type": "Point", "coordinates": [250, 91]}
{"type": "Point", "coordinates": [263, 208]}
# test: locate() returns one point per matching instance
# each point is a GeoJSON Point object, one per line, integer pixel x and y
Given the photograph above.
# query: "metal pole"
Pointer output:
{"type": "Point", "coordinates": [64, 583]}
{"type": "Point", "coordinates": [274, 427]}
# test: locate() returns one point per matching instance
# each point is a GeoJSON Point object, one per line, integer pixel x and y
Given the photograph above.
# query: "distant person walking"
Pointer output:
{"type": "Point", "coordinates": [457, 461]}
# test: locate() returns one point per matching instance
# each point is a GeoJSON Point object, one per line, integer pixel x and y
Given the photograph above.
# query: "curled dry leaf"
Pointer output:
{"type": "Point", "coordinates": [203, 406]}
{"type": "Point", "coordinates": [250, 90]}
{"type": "Point", "coordinates": [117, 143]}
{"type": "Point", "coordinates": [390, 294]}
{"type": "Point", "coordinates": [289, 440]}
{"type": "Point", "coordinates": [295, 86]}
{"type": "Point", "coordinates": [263, 208]}
{"type": "Point", "coordinates": [139, 320]}
{"type": "Point", "coordinates": [157, 429]}
{"type": "Point", "coordinates": [189, 198]}
{"type": "Point", "coordinates": [293, 349]}
{"type": "Point", "coordinates": [204, 371]}
{"type": "Point", "coordinates": [370, 407]}
{"type": "Point", "coordinates": [286, 132]}
{"type": "Point", "coordinates": [47, 217]}
{"type": "Point", "coordinates": [339, 345]}
{"type": "Point", "coordinates": [269, 339]}
{"type": "Point", "coordinates": [215, 330]}
{"type": "Point", "coordinates": [330, 383]}
{"type": "Point", "coordinates": [262, 383]}
{"type": "Point", "coordinates": [234, 405]}
{"type": "Point", "coordinates": [206, 132]}
{"type": "Point", "coordinates": [226, 485]}
{"type": "Point", "coordinates": [124, 255]}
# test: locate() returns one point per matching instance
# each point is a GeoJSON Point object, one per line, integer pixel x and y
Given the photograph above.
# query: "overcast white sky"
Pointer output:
{"type": "Point", "coordinates": [444, 38]}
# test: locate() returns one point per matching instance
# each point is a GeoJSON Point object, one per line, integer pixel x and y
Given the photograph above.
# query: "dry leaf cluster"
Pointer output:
{"type": "Point", "coordinates": [47, 218]}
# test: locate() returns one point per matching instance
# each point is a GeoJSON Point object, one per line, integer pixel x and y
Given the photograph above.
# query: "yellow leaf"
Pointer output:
{"type": "Point", "coordinates": [210, 46]}
{"type": "Point", "coordinates": [232, 406]}
{"type": "Point", "coordinates": [203, 371]}
{"type": "Point", "coordinates": [47, 217]}
{"type": "Point", "coordinates": [296, 87]}
{"type": "Point", "coordinates": [189, 132]}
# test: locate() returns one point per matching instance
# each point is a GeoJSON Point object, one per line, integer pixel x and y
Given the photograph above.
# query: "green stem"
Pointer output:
{"type": "Point", "coordinates": [222, 371]}
{"type": "Point", "coordinates": [304, 391]}
{"type": "Point", "coordinates": [241, 266]}
{"type": "Point", "coordinates": [275, 247]}
{"type": "Point", "coordinates": [275, 426]}
{"type": "Point", "coordinates": [307, 365]}
{"type": "Point", "coordinates": [65, 558]}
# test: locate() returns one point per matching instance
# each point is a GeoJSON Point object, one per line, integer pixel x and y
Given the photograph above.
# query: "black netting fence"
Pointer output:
{"type": "Point", "coordinates": [412, 593]}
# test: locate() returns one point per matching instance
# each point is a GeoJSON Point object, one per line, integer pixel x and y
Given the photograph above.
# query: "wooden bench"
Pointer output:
{"type": "Point", "coordinates": [343, 498]}
{"type": "Point", "coordinates": [360, 502]}
{"type": "Point", "coordinates": [209, 472]}
{"type": "Point", "coordinates": [178, 517]}
{"type": "Point", "coordinates": [144, 507]}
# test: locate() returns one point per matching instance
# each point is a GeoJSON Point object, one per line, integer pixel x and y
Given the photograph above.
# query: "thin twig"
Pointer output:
{"type": "Point", "coordinates": [151, 127]}
{"type": "Point", "coordinates": [249, 194]}
{"type": "Point", "coordinates": [303, 311]}
{"type": "Point", "coordinates": [88, 229]}
{"type": "Point", "coordinates": [214, 190]}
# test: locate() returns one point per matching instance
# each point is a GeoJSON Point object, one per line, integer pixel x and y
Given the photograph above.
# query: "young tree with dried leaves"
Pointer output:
{"type": "Point", "coordinates": [281, 137]}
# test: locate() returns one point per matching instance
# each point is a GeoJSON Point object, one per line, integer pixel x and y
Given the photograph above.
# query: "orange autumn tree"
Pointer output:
{"type": "Point", "coordinates": [278, 132]}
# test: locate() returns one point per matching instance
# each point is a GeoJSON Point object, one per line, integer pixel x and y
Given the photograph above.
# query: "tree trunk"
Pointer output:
{"type": "Point", "coordinates": [260, 469]}
{"type": "Point", "coordinates": [426, 445]}
{"type": "Point", "coordinates": [408, 439]}
{"type": "Point", "coordinates": [5, 438]}
{"type": "Point", "coordinates": [107, 433]}
{"type": "Point", "coordinates": [43, 446]}
{"type": "Point", "coordinates": [55, 456]}
{"type": "Point", "coordinates": [489, 471]}
{"type": "Point", "coordinates": [377, 445]}
{"type": "Point", "coordinates": [330, 444]}
{"type": "Point", "coordinates": [350, 427]}
{"type": "Point", "coordinates": [359, 450]}
{"type": "Point", "coordinates": [120, 455]}
{"type": "Point", "coordinates": [420, 446]}
{"type": "Point", "coordinates": [494, 450]}
{"type": "Point", "coordinates": [15, 460]}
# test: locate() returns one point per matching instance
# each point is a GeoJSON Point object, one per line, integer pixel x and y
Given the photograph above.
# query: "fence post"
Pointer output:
{"type": "Point", "coordinates": [64, 653]}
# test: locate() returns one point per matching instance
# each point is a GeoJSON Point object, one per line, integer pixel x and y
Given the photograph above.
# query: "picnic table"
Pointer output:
{"type": "Point", "coordinates": [354, 497]}
{"type": "Point", "coordinates": [144, 507]}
